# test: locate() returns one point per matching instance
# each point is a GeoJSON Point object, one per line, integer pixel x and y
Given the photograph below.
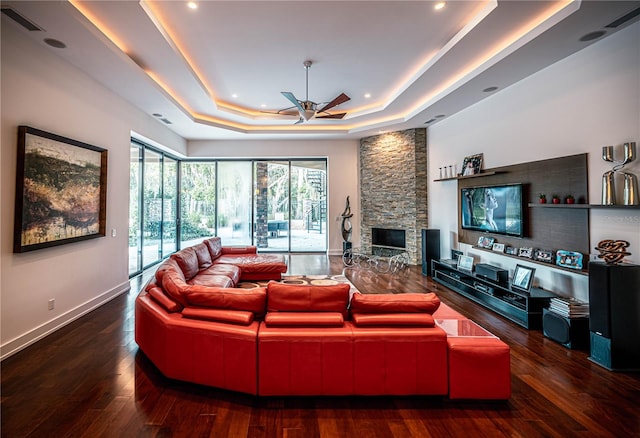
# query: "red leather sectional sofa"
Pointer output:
{"type": "Point", "coordinates": [290, 339]}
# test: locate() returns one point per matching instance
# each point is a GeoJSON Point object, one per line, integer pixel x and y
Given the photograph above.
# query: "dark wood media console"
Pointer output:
{"type": "Point", "coordinates": [523, 308]}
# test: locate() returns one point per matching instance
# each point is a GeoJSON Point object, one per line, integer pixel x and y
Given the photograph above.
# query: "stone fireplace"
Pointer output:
{"type": "Point", "coordinates": [393, 187]}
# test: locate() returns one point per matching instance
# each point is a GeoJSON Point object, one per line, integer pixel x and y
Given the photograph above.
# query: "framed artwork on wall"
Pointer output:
{"type": "Point", "coordinates": [61, 191]}
{"type": "Point", "coordinates": [472, 165]}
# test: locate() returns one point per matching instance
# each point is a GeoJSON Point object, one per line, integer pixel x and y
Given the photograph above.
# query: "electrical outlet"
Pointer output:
{"type": "Point", "coordinates": [52, 304]}
{"type": "Point", "coordinates": [113, 232]}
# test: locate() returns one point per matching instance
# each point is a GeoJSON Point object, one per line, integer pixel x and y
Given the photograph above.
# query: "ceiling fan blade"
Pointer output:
{"type": "Point", "coordinates": [293, 100]}
{"type": "Point", "coordinates": [342, 98]}
{"type": "Point", "coordinates": [332, 116]}
{"type": "Point", "coordinates": [289, 112]}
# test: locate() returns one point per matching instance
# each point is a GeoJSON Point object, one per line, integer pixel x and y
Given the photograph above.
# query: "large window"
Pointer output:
{"type": "Point", "coordinates": [277, 205]}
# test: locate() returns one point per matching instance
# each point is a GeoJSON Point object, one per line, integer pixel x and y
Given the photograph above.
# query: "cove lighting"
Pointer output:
{"type": "Point", "coordinates": [439, 6]}
{"type": "Point", "coordinates": [192, 5]}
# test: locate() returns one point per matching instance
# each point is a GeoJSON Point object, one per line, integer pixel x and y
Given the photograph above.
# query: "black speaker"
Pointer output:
{"type": "Point", "coordinates": [493, 273]}
{"type": "Point", "coordinates": [571, 332]}
{"type": "Point", "coordinates": [600, 351]}
{"type": "Point", "coordinates": [430, 250]}
{"type": "Point", "coordinates": [614, 306]}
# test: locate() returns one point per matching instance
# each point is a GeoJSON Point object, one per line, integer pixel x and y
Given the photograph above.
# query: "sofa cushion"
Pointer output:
{"type": "Point", "coordinates": [215, 247]}
{"type": "Point", "coordinates": [231, 271]}
{"type": "Point", "coordinates": [250, 300]}
{"type": "Point", "coordinates": [307, 298]}
{"type": "Point", "coordinates": [394, 303]}
{"type": "Point", "coordinates": [393, 319]}
{"type": "Point", "coordinates": [169, 304]}
{"type": "Point", "coordinates": [188, 262]}
{"type": "Point", "coordinates": [203, 254]}
{"type": "Point", "coordinates": [220, 315]}
{"type": "Point", "coordinates": [173, 283]}
{"type": "Point", "coordinates": [211, 280]}
{"type": "Point", "coordinates": [253, 263]}
{"type": "Point", "coordinates": [304, 319]}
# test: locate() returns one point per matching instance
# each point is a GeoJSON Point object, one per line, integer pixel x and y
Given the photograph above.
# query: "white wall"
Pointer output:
{"type": "Point", "coordinates": [577, 105]}
{"type": "Point", "coordinates": [42, 91]}
{"type": "Point", "coordinates": [342, 165]}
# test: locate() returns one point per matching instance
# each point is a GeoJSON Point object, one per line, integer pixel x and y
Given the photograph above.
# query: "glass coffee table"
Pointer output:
{"type": "Point", "coordinates": [463, 328]}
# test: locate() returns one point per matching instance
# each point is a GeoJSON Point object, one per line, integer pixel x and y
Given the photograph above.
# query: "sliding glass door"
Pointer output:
{"type": "Point", "coordinates": [308, 206]}
{"type": "Point", "coordinates": [197, 201]}
{"type": "Point", "coordinates": [153, 196]}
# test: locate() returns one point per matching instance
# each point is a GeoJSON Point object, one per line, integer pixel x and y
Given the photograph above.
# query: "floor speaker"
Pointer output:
{"type": "Point", "coordinates": [614, 304]}
{"type": "Point", "coordinates": [570, 332]}
{"type": "Point", "coordinates": [430, 250]}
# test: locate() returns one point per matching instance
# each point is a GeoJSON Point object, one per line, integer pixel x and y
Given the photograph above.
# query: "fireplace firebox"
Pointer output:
{"type": "Point", "coordinates": [388, 238]}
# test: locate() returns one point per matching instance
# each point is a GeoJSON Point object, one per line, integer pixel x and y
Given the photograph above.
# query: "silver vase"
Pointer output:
{"type": "Point", "coordinates": [630, 189]}
{"type": "Point", "coordinates": [608, 188]}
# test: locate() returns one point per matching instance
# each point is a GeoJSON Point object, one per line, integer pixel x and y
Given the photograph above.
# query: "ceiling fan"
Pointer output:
{"type": "Point", "coordinates": [308, 109]}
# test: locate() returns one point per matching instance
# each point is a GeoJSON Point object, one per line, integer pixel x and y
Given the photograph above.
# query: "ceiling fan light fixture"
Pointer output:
{"type": "Point", "coordinates": [308, 114]}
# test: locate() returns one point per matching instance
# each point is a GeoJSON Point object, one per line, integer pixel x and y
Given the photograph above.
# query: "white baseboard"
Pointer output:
{"type": "Point", "coordinates": [21, 342]}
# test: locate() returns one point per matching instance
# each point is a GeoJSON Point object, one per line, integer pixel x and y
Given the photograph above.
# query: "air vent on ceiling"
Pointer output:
{"type": "Point", "coordinates": [22, 21]}
{"type": "Point", "coordinates": [629, 16]}
{"type": "Point", "coordinates": [167, 121]}
{"type": "Point", "coordinates": [430, 121]}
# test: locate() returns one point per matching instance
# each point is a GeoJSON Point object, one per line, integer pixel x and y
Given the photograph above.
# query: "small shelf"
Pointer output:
{"type": "Point", "coordinates": [584, 206]}
{"type": "Point", "coordinates": [582, 271]}
{"type": "Point", "coordinates": [477, 175]}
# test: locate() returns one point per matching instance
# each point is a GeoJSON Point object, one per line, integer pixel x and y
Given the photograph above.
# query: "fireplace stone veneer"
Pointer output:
{"type": "Point", "coordinates": [393, 187]}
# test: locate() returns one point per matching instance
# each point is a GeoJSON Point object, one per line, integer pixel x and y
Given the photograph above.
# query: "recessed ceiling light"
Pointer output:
{"type": "Point", "coordinates": [439, 6]}
{"type": "Point", "coordinates": [490, 89]}
{"type": "Point", "coordinates": [264, 105]}
{"type": "Point", "coordinates": [55, 43]}
{"type": "Point", "coordinates": [234, 95]}
{"type": "Point", "coordinates": [192, 5]}
{"type": "Point", "coordinates": [367, 95]}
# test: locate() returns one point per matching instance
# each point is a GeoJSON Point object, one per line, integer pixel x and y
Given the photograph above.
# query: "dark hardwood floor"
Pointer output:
{"type": "Point", "coordinates": [89, 380]}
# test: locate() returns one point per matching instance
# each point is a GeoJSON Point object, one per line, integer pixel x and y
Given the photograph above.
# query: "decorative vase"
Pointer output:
{"type": "Point", "coordinates": [571, 200]}
{"type": "Point", "coordinates": [556, 200]}
{"type": "Point", "coordinates": [543, 200]}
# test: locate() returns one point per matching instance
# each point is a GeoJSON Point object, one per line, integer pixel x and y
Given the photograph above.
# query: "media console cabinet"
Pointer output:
{"type": "Point", "coordinates": [525, 309]}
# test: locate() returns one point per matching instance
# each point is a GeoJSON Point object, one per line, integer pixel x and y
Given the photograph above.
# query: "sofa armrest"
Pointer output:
{"type": "Point", "coordinates": [304, 319]}
{"type": "Point", "coordinates": [239, 250]}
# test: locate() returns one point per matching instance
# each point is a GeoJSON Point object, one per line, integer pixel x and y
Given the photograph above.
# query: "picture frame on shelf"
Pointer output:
{"type": "Point", "coordinates": [498, 247]}
{"type": "Point", "coordinates": [525, 252]}
{"type": "Point", "coordinates": [543, 255]}
{"type": "Point", "coordinates": [465, 263]}
{"type": "Point", "coordinates": [486, 242]}
{"type": "Point", "coordinates": [511, 250]}
{"type": "Point", "coordinates": [61, 191]}
{"type": "Point", "coordinates": [472, 165]}
{"type": "Point", "coordinates": [569, 259]}
{"type": "Point", "coordinates": [523, 278]}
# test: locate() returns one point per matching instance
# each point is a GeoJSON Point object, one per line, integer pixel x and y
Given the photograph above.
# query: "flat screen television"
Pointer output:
{"type": "Point", "coordinates": [495, 209]}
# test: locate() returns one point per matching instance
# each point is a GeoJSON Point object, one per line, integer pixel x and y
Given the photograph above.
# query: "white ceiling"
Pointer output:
{"type": "Point", "coordinates": [209, 71]}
